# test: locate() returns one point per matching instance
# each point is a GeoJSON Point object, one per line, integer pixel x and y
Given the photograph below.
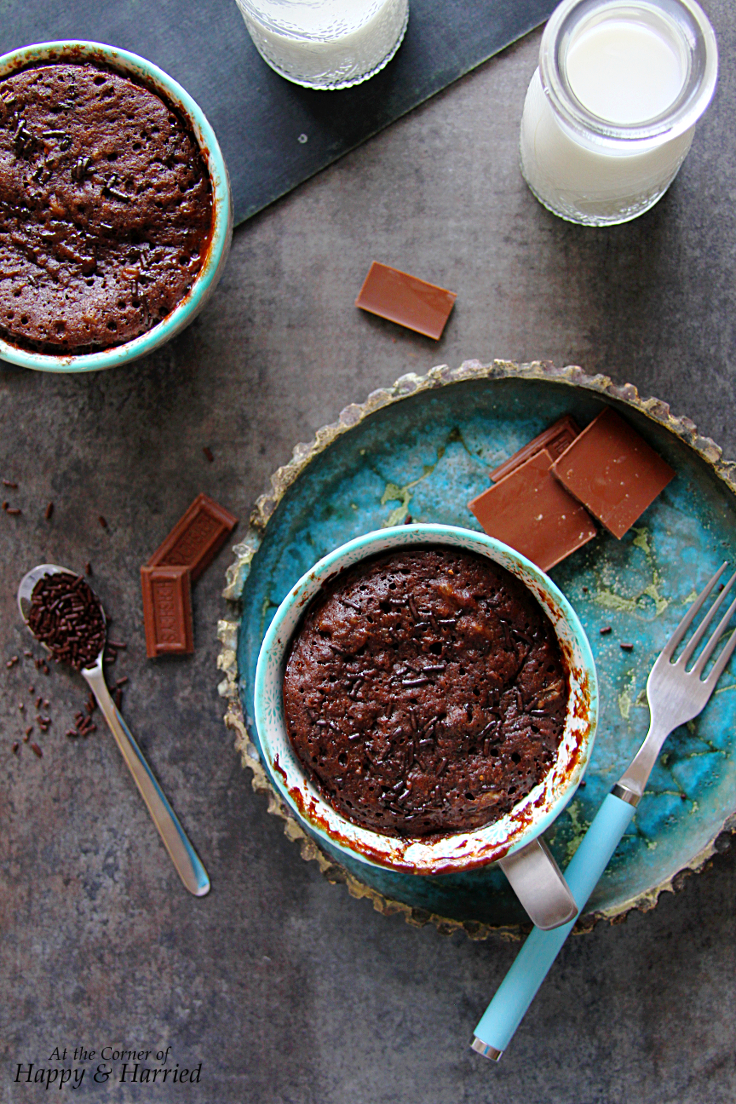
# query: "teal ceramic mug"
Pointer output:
{"type": "Point", "coordinates": [458, 850]}
{"type": "Point", "coordinates": [186, 310]}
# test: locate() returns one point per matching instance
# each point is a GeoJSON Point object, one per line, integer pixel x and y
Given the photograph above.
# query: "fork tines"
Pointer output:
{"type": "Point", "coordinates": [698, 635]}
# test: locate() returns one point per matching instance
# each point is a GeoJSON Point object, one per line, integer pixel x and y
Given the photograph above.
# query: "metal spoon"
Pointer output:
{"type": "Point", "coordinates": [184, 857]}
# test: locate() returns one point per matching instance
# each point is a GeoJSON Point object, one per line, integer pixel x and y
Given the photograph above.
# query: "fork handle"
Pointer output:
{"type": "Point", "coordinates": [518, 989]}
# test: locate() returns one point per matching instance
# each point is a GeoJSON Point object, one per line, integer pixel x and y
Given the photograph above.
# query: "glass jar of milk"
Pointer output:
{"type": "Point", "coordinates": [611, 110]}
{"type": "Point", "coordinates": [326, 44]}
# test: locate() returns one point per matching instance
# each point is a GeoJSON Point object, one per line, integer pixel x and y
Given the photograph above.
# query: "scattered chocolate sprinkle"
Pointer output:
{"type": "Point", "coordinates": [21, 707]}
{"type": "Point", "coordinates": [14, 510]}
{"type": "Point", "coordinates": [606, 629]}
{"type": "Point", "coordinates": [683, 797]}
{"type": "Point", "coordinates": [208, 453]}
{"type": "Point", "coordinates": [37, 751]}
{"type": "Point", "coordinates": [29, 730]}
{"type": "Point", "coordinates": [119, 698]}
{"type": "Point", "coordinates": [10, 484]}
{"type": "Point", "coordinates": [583, 784]}
{"type": "Point", "coordinates": [16, 746]}
{"type": "Point", "coordinates": [28, 655]}
{"type": "Point", "coordinates": [102, 521]}
{"type": "Point", "coordinates": [49, 511]}
{"type": "Point", "coordinates": [116, 644]}
{"type": "Point", "coordinates": [585, 591]}
{"type": "Point", "coordinates": [122, 681]}
{"type": "Point", "coordinates": [72, 733]}
{"type": "Point", "coordinates": [79, 168]}
{"type": "Point", "coordinates": [39, 700]}
{"type": "Point", "coordinates": [12, 661]}
{"type": "Point", "coordinates": [111, 188]}
{"type": "Point", "coordinates": [88, 568]}
{"type": "Point", "coordinates": [626, 647]}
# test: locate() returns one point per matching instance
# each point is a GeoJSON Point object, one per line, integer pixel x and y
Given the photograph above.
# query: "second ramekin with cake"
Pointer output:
{"type": "Point", "coordinates": [115, 207]}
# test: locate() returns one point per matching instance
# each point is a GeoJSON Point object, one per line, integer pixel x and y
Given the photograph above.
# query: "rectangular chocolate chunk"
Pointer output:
{"type": "Point", "coordinates": [531, 512]}
{"type": "Point", "coordinates": [167, 610]}
{"type": "Point", "coordinates": [554, 439]}
{"type": "Point", "coordinates": [612, 471]}
{"type": "Point", "coordinates": [406, 300]}
{"type": "Point", "coordinates": [195, 539]}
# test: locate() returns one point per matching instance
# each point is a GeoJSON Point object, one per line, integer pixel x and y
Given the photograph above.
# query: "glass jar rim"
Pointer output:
{"type": "Point", "coordinates": [686, 18]}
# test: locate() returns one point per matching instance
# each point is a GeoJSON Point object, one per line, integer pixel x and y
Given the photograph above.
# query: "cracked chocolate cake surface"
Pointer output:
{"type": "Point", "coordinates": [105, 208]}
{"type": "Point", "coordinates": [425, 692]}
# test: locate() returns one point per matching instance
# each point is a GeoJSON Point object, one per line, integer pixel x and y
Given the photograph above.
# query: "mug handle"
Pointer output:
{"type": "Point", "coordinates": [540, 885]}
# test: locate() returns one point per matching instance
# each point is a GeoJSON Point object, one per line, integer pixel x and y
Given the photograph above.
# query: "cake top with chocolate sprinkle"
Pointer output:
{"type": "Point", "coordinates": [105, 208]}
{"type": "Point", "coordinates": [425, 692]}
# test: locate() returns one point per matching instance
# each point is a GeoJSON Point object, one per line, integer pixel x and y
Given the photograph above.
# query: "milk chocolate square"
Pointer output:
{"type": "Point", "coordinates": [530, 511]}
{"type": "Point", "coordinates": [406, 300]}
{"type": "Point", "coordinates": [612, 471]}
{"type": "Point", "coordinates": [167, 610]}
{"type": "Point", "coordinates": [554, 439]}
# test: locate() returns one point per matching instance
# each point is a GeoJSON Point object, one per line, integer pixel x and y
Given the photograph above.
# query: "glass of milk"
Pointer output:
{"type": "Point", "coordinates": [326, 43]}
{"type": "Point", "coordinates": [610, 112]}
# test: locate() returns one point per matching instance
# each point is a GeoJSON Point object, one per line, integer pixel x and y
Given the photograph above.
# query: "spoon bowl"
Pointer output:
{"type": "Point", "coordinates": [28, 582]}
{"type": "Point", "coordinates": [184, 857]}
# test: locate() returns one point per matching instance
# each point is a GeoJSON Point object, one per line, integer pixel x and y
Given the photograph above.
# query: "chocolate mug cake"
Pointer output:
{"type": "Point", "coordinates": [106, 208]}
{"type": "Point", "coordinates": [425, 692]}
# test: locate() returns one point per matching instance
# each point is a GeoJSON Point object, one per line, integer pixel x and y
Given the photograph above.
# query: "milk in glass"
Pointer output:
{"type": "Point", "coordinates": [326, 43]}
{"type": "Point", "coordinates": [610, 112]}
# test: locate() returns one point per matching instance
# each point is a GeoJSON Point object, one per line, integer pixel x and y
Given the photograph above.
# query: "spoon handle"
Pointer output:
{"type": "Point", "coordinates": [184, 857]}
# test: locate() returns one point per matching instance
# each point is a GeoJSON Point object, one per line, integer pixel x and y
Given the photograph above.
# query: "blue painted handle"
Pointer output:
{"type": "Point", "coordinates": [519, 987]}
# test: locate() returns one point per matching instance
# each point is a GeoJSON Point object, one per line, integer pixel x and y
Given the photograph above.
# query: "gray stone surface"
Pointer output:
{"type": "Point", "coordinates": [286, 989]}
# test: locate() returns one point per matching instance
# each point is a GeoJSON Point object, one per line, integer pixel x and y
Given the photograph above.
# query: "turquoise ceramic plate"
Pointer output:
{"type": "Point", "coordinates": [424, 448]}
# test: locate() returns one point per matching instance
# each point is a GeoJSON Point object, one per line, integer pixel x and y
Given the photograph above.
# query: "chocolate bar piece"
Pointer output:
{"type": "Point", "coordinates": [196, 538]}
{"type": "Point", "coordinates": [530, 511]}
{"type": "Point", "coordinates": [554, 439]}
{"type": "Point", "coordinates": [167, 610]}
{"type": "Point", "coordinates": [612, 471]}
{"type": "Point", "coordinates": [407, 300]}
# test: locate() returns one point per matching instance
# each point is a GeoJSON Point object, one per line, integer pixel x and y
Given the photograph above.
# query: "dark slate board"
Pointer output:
{"type": "Point", "coordinates": [258, 116]}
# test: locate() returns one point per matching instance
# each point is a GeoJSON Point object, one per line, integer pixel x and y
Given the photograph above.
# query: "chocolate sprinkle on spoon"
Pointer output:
{"type": "Point", "coordinates": [65, 615]}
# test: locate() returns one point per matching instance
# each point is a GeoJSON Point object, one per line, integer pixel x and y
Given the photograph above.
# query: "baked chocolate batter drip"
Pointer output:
{"type": "Point", "coordinates": [105, 208]}
{"type": "Point", "coordinates": [425, 692]}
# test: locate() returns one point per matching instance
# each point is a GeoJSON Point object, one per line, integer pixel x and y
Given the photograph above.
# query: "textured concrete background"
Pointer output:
{"type": "Point", "coordinates": [287, 990]}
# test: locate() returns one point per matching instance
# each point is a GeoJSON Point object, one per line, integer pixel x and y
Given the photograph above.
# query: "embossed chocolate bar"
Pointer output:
{"type": "Point", "coordinates": [555, 439]}
{"type": "Point", "coordinates": [196, 538]}
{"type": "Point", "coordinates": [167, 610]}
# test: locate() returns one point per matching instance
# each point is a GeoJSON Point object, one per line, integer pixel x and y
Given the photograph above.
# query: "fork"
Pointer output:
{"type": "Point", "coordinates": [675, 695]}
